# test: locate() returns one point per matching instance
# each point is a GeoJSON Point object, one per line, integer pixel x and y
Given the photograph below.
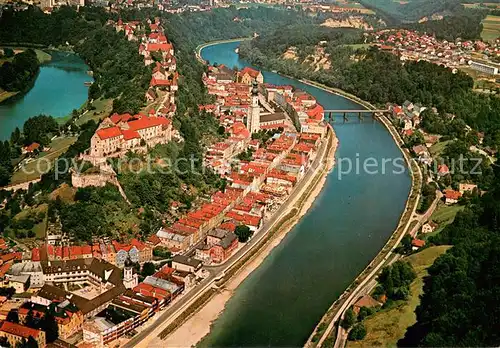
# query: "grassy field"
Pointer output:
{"type": "Point", "coordinates": [65, 192]}
{"type": "Point", "coordinates": [358, 46]}
{"type": "Point", "coordinates": [43, 57]}
{"type": "Point", "coordinates": [387, 326]}
{"type": "Point", "coordinates": [33, 169]}
{"type": "Point", "coordinates": [491, 28]}
{"type": "Point", "coordinates": [443, 215]}
{"type": "Point", "coordinates": [40, 228]}
{"type": "Point", "coordinates": [438, 147]}
{"type": "Point", "coordinates": [103, 109]}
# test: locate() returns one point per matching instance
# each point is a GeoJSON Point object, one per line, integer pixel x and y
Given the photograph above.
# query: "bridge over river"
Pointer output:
{"type": "Point", "coordinates": [330, 114]}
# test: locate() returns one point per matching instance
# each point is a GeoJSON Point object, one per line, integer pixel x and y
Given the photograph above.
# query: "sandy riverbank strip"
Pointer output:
{"type": "Point", "coordinates": [198, 325]}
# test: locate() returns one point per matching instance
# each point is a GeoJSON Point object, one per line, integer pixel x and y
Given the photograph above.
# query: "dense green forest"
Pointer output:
{"type": "Point", "coordinates": [411, 11]}
{"type": "Point", "coordinates": [458, 22]}
{"type": "Point", "coordinates": [465, 25]}
{"type": "Point", "coordinates": [459, 306]}
{"type": "Point", "coordinates": [19, 74]}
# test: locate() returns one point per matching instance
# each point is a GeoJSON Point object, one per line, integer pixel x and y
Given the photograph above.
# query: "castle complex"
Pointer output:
{"type": "Point", "coordinates": [120, 133]}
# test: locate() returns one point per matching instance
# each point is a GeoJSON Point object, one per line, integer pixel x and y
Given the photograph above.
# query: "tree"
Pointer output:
{"type": "Point", "coordinates": [13, 316]}
{"type": "Point", "coordinates": [31, 343]}
{"type": "Point", "coordinates": [15, 137]}
{"type": "Point", "coordinates": [365, 312]}
{"type": "Point", "coordinates": [349, 319]}
{"type": "Point", "coordinates": [243, 232]}
{"type": "Point", "coordinates": [8, 52]}
{"type": "Point", "coordinates": [405, 246]}
{"type": "Point", "coordinates": [49, 325]}
{"type": "Point", "coordinates": [395, 280]}
{"type": "Point", "coordinates": [148, 269]}
{"type": "Point", "coordinates": [357, 333]}
{"type": "Point", "coordinates": [4, 342]}
{"type": "Point", "coordinates": [30, 320]}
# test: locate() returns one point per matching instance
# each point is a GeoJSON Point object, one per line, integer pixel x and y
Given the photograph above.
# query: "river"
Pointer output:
{"type": "Point", "coordinates": [59, 88]}
{"type": "Point", "coordinates": [280, 303]}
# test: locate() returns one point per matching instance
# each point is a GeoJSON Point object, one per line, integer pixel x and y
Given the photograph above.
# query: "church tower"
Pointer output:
{"type": "Point", "coordinates": [130, 280]}
{"type": "Point", "coordinates": [253, 118]}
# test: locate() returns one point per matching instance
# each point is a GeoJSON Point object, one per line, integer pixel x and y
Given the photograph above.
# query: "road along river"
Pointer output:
{"type": "Point", "coordinates": [357, 211]}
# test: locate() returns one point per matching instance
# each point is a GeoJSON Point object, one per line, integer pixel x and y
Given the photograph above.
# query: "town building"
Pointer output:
{"type": "Point", "coordinates": [16, 334]}
{"type": "Point", "coordinates": [120, 133]}
{"type": "Point", "coordinates": [248, 75]}
{"type": "Point", "coordinates": [429, 227]}
{"type": "Point", "coordinates": [484, 68]}
{"type": "Point", "coordinates": [253, 118]}
{"type": "Point", "coordinates": [451, 196]}
{"type": "Point", "coordinates": [186, 264]}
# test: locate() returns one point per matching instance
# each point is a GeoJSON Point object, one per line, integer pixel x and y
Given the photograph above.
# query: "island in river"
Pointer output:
{"type": "Point", "coordinates": [280, 302]}
{"type": "Point", "coordinates": [58, 89]}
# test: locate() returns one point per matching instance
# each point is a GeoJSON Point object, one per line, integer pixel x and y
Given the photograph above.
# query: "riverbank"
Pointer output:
{"type": "Point", "coordinates": [198, 325]}
{"type": "Point", "coordinates": [200, 48]}
{"type": "Point", "coordinates": [324, 333]}
{"type": "Point", "coordinates": [339, 92]}
{"type": "Point", "coordinates": [4, 95]}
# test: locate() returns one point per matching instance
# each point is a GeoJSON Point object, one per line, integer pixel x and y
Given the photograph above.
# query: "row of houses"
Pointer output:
{"type": "Point", "coordinates": [411, 45]}
{"type": "Point", "coordinates": [107, 306]}
{"type": "Point", "coordinates": [114, 252]}
{"type": "Point", "coordinates": [253, 187]}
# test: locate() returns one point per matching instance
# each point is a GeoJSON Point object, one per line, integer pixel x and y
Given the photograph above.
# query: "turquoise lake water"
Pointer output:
{"type": "Point", "coordinates": [58, 89]}
{"type": "Point", "coordinates": [280, 303]}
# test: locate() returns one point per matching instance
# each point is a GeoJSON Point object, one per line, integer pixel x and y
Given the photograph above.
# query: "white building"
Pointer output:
{"type": "Point", "coordinates": [253, 118]}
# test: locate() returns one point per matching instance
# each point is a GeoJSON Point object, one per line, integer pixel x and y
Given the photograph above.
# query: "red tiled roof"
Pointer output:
{"type": "Point", "coordinates": [148, 122]}
{"type": "Point", "coordinates": [32, 147]}
{"type": "Point", "coordinates": [35, 254]}
{"type": "Point", "coordinates": [443, 169]}
{"type": "Point", "coordinates": [18, 330]}
{"type": "Point", "coordinates": [86, 250]}
{"type": "Point", "coordinates": [149, 290]}
{"type": "Point", "coordinates": [4, 269]}
{"type": "Point", "coordinates": [153, 47]}
{"type": "Point", "coordinates": [110, 132]}
{"type": "Point", "coordinates": [228, 226]}
{"type": "Point", "coordinates": [130, 134]}
{"type": "Point", "coordinates": [418, 243]}
{"type": "Point", "coordinates": [452, 194]}
{"type": "Point", "coordinates": [316, 112]}
{"type": "Point", "coordinates": [252, 72]}
{"type": "Point", "coordinates": [154, 239]}
{"type": "Point", "coordinates": [138, 244]}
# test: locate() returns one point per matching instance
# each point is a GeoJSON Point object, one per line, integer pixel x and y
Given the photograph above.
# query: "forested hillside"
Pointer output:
{"type": "Point", "coordinates": [459, 306]}
{"type": "Point", "coordinates": [412, 10]}
{"type": "Point", "coordinates": [19, 74]}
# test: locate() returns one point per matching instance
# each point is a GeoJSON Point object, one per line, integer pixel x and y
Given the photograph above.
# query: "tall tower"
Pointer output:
{"type": "Point", "coordinates": [253, 118]}
{"type": "Point", "coordinates": [130, 280]}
